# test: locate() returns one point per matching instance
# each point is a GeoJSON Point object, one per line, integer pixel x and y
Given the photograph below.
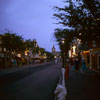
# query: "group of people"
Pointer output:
{"type": "Point", "coordinates": [56, 61]}
{"type": "Point", "coordinates": [14, 62]}
{"type": "Point", "coordinates": [78, 64]}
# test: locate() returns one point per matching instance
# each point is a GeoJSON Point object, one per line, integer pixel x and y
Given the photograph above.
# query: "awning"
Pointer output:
{"type": "Point", "coordinates": [96, 50]}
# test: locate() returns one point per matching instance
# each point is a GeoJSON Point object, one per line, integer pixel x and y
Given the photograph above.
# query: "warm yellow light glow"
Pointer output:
{"type": "Point", "coordinates": [84, 52]}
{"type": "Point", "coordinates": [45, 57]}
{"type": "Point", "coordinates": [63, 40]}
{"type": "Point", "coordinates": [69, 53]}
{"type": "Point", "coordinates": [60, 57]}
{"type": "Point", "coordinates": [74, 50]}
{"type": "Point", "coordinates": [78, 39]}
{"type": "Point", "coordinates": [55, 57]}
{"type": "Point", "coordinates": [4, 49]}
{"type": "Point", "coordinates": [19, 55]}
{"type": "Point", "coordinates": [27, 50]}
{"type": "Point", "coordinates": [98, 18]}
{"type": "Point", "coordinates": [26, 53]}
{"type": "Point", "coordinates": [80, 33]}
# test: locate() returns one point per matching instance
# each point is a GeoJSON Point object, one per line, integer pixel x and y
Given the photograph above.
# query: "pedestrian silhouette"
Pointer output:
{"type": "Point", "coordinates": [83, 67]}
{"type": "Point", "coordinates": [76, 64]}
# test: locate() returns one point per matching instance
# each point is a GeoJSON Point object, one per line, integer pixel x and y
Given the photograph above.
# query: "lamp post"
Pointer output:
{"type": "Point", "coordinates": [63, 52]}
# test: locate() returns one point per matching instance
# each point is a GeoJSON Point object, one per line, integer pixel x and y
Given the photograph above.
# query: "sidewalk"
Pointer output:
{"type": "Point", "coordinates": [83, 86]}
{"type": "Point", "coordinates": [14, 69]}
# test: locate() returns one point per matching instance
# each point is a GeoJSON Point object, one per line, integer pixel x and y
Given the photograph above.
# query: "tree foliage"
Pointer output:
{"type": "Point", "coordinates": [67, 35]}
{"type": "Point", "coordinates": [79, 16]}
{"type": "Point", "coordinates": [50, 56]}
{"type": "Point", "coordinates": [12, 42]}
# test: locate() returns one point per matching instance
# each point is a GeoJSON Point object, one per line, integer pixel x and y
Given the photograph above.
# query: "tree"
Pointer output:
{"type": "Point", "coordinates": [93, 6]}
{"type": "Point", "coordinates": [50, 56]}
{"type": "Point", "coordinates": [67, 35]}
{"type": "Point", "coordinates": [77, 16]}
{"type": "Point", "coordinates": [42, 50]}
{"type": "Point", "coordinates": [12, 42]}
{"type": "Point", "coordinates": [29, 44]}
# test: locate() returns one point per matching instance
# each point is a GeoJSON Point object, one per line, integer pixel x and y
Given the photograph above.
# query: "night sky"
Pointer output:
{"type": "Point", "coordinates": [32, 19]}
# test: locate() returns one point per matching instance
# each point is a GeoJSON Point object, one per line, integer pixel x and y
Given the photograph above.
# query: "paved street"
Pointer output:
{"type": "Point", "coordinates": [83, 86]}
{"type": "Point", "coordinates": [33, 83]}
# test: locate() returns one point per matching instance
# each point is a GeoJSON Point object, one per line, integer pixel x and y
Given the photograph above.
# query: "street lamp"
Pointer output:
{"type": "Point", "coordinates": [63, 52]}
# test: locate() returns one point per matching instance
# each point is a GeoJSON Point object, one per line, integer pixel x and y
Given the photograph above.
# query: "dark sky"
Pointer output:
{"type": "Point", "coordinates": [33, 19]}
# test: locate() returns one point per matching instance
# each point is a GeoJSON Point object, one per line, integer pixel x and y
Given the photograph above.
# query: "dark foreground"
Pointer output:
{"type": "Point", "coordinates": [84, 86]}
{"type": "Point", "coordinates": [35, 83]}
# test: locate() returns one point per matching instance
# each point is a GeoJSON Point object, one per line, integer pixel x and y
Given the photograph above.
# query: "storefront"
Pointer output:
{"type": "Point", "coordinates": [86, 56]}
{"type": "Point", "coordinates": [95, 58]}
{"type": "Point", "coordinates": [92, 58]}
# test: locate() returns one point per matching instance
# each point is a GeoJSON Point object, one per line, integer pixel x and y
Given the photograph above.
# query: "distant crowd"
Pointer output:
{"type": "Point", "coordinates": [75, 64]}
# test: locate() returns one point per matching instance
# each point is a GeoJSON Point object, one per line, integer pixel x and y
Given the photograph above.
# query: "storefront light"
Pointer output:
{"type": "Point", "coordinates": [25, 53]}
{"type": "Point", "coordinates": [74, 50]}
{"type": "Point", "coordinates": [69, 53]}
{"type": "Point", "coordinates": [19, 55]}
{"type": "Point", "coordinates": [55, 57]}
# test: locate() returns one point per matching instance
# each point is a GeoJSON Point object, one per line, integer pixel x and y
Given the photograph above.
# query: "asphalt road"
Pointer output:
{"type": "Point", "coordinates": [34, 83]}
{"type": "Point", "coordinates": [83, 86]}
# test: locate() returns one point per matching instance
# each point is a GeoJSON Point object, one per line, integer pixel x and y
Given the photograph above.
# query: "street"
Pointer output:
{"type": "Point", "coordinates": [33, 83]}
{"type": "Point", "coordinates": [84, 86]}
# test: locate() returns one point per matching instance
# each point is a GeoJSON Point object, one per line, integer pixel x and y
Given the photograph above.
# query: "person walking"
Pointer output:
{"type": "Point", "coordinates": [83, 67]}
{"type": "Point", "coordinates": [15, 63]}
{"type": "Point", "coordinates": [56, 61]}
